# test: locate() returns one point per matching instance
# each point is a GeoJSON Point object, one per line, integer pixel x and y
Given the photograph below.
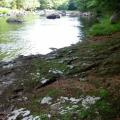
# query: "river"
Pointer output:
{"type": "Point", "coordinates": [37, 35]}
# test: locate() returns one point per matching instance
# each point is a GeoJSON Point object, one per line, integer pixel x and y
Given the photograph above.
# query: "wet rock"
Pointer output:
{"type": "Point", "coordinates": [52, 55]}
{"type": "Point", "coordinates": [74, 14]}
{"type": "Point", "coordinates": [14, 20]}
{"type": "Point", "coordinates": [10, 65]}
{"type": "Point", "coordinates": [30, 57]}
{"type": "Point", "coordinates": [53, 49]}
{"type": "Point", "coordinates": [63, 13]}
{"type": "Point", "coordinates": [53, 16]}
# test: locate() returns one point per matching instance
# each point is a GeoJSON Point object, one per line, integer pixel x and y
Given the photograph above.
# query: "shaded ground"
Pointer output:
{"type": "Point", "coordinates": [80, 82]}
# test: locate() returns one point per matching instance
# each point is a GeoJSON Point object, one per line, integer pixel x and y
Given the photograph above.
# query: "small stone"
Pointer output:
{"type": "Point", "coordinates": [46, 100]}
{"type": "Point", "coordinates": [55, 107]}
{"type": "Point", "coordinates": [55, 71]}
{"type": "Point", "coordinates": [82, 79]}
{"type": "Point", "coordinates": [49, 115]}
{"type": "Point", "coordinates": [71, 66]}
{"type": "Point", "coordinates": [43, 81]}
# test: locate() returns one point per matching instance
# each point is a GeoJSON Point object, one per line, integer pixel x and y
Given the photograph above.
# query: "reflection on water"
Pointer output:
{"type": "Point", "coordinates": [87, 22]}
{"type": "Point", "coordinates": [37, 35]}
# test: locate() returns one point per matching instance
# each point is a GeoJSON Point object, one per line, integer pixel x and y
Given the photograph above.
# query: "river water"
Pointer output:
{"type": "Point", "coordinates": [37, 35]}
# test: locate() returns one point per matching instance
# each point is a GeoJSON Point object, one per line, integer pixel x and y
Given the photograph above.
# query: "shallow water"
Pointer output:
{"type": "Point", "coordinates": [37, 35]}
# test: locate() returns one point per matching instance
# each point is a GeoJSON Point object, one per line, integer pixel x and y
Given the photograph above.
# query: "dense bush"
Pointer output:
{"type": "Point", "coordinates": [104, 28]}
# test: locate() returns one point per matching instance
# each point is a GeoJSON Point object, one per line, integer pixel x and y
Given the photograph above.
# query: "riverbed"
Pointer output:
{"type": "Point", "coordinates": [37, 35]}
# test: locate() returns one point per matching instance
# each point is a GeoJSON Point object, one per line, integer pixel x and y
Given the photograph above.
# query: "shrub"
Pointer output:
{"type": "Point", "coordinates": [4, 11]}
{"type": "Point", "coordinates": [104, 28]}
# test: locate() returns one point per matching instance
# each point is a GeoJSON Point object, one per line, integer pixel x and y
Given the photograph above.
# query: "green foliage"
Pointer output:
{"type": "Point", "coordinates": [104, 28]}
{"type": "Point", "coordinates": [54, 92]}
{"type": "Point", "coordinates": [18, 4]}
{"type": "Point", "coordinates": [44, 117]}
{"type": "Point", "coordinates": [63, 6]}
{"type": "Point", "coordinates": [72, 5]}
{"type": "Point", "coordinates": [98, 4]}
{"type": "Point", "coordinates": [13, 4]}
{"type": "Point", "coordinates": [66, 116]}
{"type": "Point", "coordinates": [100, 110]}
{"type": "Point", "coordinates": [5, 3]}
{"type": "Point", "coordinates": [53, 4]}
{"type": "Point", "coordinates": [82, 5]}
{"type": "Point", "coordinates": [4, 11]}
{"type": "Point", "coordinates": [103, 93]}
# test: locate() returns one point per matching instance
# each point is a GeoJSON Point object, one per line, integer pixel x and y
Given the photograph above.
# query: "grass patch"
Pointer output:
{"type": "Point", "coordinates": [55, 92]}
{"type": "Point", "coordinates": [104, 28]}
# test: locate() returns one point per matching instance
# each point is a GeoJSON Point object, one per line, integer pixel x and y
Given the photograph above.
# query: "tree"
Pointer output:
{"type": "Point", "coordinates": [25, 4]}
{"type": "Point", "coordinates": [72, 5]}
{"type": "Point", "coordinates": [13, 4]}
{"type": "Point", "coordinates": [46, 4]}
{"type": "Point", "coordinates": [98, 5]}
{"type": "Point", "coordinates": [5, 3]}
{"type": "Point", "coordinates": [53, 4]}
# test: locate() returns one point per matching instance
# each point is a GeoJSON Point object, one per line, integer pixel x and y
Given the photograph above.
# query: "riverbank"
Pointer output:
{"type": "Point", "coordinates": [77, 82]}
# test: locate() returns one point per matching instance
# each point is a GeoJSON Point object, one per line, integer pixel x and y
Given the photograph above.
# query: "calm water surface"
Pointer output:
{"type": "Point", "coordinates": [37, 35]}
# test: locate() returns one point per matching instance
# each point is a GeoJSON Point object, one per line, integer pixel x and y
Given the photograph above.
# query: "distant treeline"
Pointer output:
{"type": "Point", "coordinates": [82, 5]}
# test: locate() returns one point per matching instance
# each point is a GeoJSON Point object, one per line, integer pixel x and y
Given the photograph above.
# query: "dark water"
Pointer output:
{"type": "Point", "coordinates": [37, 35]}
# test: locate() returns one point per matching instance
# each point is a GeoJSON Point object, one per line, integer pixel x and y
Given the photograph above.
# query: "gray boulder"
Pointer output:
{"type": "Point", "coordinates": [15, 20]}
{"type": "Point", "coordinates": [115, 18]}
{"type": "Point", "coordinates": [63, 13]}
{"type": "Point", "coordinates": [53, 16]}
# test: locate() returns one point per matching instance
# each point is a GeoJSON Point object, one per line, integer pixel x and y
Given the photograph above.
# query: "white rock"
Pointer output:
{"type": "Point", "coordinates": [74, 100]}
{"type": "Point", "coordinates": [89, 100]}
{"type": "Point", "coordinates": [8, 66]}
{"type": "Point", "coordinates": [46, 100]}
{"type": "Point", "coordinates": [49, 115]}
{"type": "Point", "coordinates": [24, 113]}
{"type": "Point", "coordinates": [71, 66]}
{"type": "Point", "coordinates": [55, 71]}
{"type": "Point", "coordinates": [14, 114]}
{"type": "Point", "coordinates": [43, 81]}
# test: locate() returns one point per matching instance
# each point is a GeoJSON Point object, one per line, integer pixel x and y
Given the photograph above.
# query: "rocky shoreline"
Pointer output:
{"type": "Point", "coordinates": [64, 84]}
